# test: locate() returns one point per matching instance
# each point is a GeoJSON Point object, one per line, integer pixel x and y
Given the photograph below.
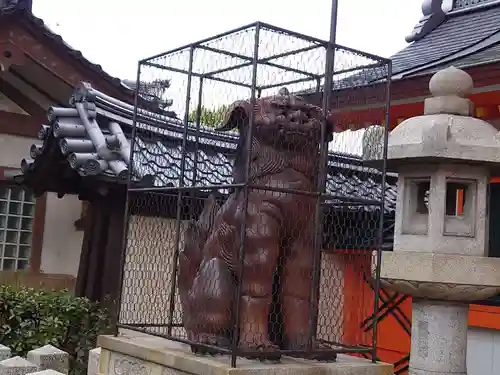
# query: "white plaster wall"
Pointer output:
{"type": "Point", "coordinates": [61, 241]}
{"type": "Point", "coordinates": [13, 149]}
{"type": "Point", "coordinates": [483, 351]}
{"type": "Point", "coordinates": [32, 93]}
{"type": "Point", "coordinates": [147, 274]}
{"type": "Point", "coordinates": [331, 298]}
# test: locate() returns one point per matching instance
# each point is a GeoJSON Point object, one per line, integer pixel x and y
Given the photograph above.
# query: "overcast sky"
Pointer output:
{"type": "Point", "coordinates": [116, 34]}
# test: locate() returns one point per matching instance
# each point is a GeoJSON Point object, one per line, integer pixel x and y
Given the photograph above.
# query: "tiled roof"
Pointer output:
{"type": "Point", "coordinates": [93, 138]}
{"type": "Point", "coordinates": [20, 11]}
{"type": "Point", "coordinates": [463, 29]}
{"type": "Point", "coordinates": [486, 56]}
{"type": "Point", "coordinates": [469, 34]}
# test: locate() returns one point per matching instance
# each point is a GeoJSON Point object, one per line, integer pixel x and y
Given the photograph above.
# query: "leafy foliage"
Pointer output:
{"type": "Point", "coordinates": [32, 318]}
{"type": "Point", "coordinates": [210, 117]}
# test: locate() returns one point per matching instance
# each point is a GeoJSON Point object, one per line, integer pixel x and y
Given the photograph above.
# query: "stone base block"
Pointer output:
{"type": "Point", "coordinates": [441, 276]}
{"type": "Point", "coordinates": [49, 357]}
{"type": "Point", "coordinates": [139, 354]}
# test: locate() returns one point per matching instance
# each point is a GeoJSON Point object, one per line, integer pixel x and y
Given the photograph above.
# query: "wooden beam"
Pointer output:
{"type": "Point", "coordinates": [18, 76]}
{"type": "Point", "coordinates": [21, 100]}
{"type": "Point", "coordinates": [487, 107]}
{"type": "Point", "coordinates": [405, 91]}
{"type": "Point", "coordinates": [354, 120]}
{"type": "Point", "coordinates": [38, 232]}
{"type": "Point", "coordinates": [22, 125]}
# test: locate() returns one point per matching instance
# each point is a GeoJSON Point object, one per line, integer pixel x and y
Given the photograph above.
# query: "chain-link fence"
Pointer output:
{"type": "Point", "coordinates": [255, 238]}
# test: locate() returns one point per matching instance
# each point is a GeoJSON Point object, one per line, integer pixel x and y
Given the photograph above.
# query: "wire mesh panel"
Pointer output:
{"type": "Point", "coordinates": [256, 234]}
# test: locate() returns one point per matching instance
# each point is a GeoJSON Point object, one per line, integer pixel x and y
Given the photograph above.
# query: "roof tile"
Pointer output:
{"type": "Point", "coordinates": [89, 136]}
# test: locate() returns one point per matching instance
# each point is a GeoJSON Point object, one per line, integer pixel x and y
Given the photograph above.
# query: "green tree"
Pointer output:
{"type": "Point", "coordinates": [209, 117]}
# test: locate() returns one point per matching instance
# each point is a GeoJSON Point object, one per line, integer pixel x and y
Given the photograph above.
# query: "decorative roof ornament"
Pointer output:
{"type": "Point", "coordinates": [433, 16]}
{"type": "Point", "coordinates": [435, 12]}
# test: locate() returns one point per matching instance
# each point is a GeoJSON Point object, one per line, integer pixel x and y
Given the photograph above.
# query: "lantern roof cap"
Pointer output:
{"type": "Point", "coordinates": [451, 82]}
{"type": "Point", "coordinates": [446, 132]}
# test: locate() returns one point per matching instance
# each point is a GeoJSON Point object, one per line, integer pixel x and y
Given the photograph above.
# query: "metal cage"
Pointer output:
{"type": "Point", "coordinates": [174, 140]}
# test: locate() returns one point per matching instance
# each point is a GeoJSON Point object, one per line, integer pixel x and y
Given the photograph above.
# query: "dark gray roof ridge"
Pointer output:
{"type": "Point", "coordinates": [489, 41]}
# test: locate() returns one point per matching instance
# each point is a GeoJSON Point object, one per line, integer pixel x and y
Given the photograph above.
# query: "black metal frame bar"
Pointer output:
{"type": "Point", "coordinates": [269, 27]}
{"type": "Point", "coordinates": [266, 61]}
{"type": "Point", "coordinates": [241, 251]}
{"type": "Point", "coordinates": [316, 43]}
{"type": "Point", "coordinates": [320, 195]}
{"type": "Point", "coordinates": [127, 206]}
{"type": "Point", "coordinates": [308, 76]}
{"type": "Point", "coordinates": [199, 75]}
{"type": "Point", "coordinates": [206, 40]}
{"type": "Point", "coordinates": [324, 197]}
{"type": "Point", "coordinates": [173, 286]}
{"type": "Point", "coordinates": [321, 183]}
{"type": "Point", "coordinates": [381, 222]}
{"type": "Point", "coordinates": [197, 135]}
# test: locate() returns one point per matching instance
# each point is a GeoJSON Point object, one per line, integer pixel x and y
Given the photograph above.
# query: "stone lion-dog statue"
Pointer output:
{"type": "Point", "coordinates": [279, 236]}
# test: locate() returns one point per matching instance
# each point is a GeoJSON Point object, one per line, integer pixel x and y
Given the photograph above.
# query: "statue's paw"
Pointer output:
{"type": "Point", "coordinates": [208, 339]}
{"type": "Point", "coordinates": [323, 353]}
{"type": "Point", "coordinates": [261, 349]}
{"type": "Point", "coordinates": [320, 352]}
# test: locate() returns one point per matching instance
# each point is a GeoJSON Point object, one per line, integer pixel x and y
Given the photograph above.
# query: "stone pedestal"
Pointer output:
{"type": "Point", "coordinates": [4, 352]}
{"type": "Point", "coordinates": [17, 366]}
{"type": "Point", "coordinates": [438, 338]}
{"type": "Point", "coordinates": [49, 357]}
{"type": "Point", "coordinates": [439, 323]}
{"type": "Point", "coordinates": [139, 354]}
{"type": "Point", "coordinates": [445, 277]}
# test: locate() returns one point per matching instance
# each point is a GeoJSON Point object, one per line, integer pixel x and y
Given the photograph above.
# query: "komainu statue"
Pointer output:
{"type": "Point", "coordinates": [278, 244]}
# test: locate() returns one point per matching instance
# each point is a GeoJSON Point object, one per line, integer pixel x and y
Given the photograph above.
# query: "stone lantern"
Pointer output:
{"type": "Point", "coordinates": [444, 161]}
